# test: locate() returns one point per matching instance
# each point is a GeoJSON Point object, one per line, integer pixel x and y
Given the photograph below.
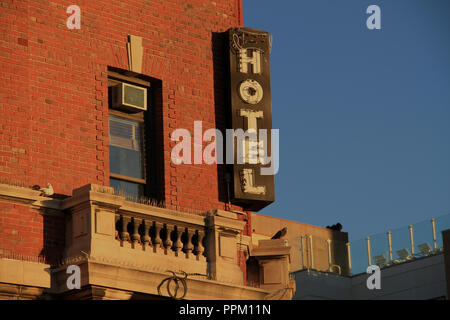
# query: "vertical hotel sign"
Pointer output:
{"type": "Point", "coordinates": [251, 117]}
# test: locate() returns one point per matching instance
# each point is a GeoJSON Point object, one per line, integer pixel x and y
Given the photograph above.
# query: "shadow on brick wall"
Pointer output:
{"type": "Point", "coordinates": [53, 235]}
{"type": "Point", "coordinates": [221, 103]}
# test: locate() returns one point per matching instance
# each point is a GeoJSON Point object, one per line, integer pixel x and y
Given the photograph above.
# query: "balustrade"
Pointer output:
{"type": "Point", "coordinates": [168, 238]}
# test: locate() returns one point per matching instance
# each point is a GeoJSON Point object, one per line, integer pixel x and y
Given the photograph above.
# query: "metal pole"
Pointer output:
{"type": "Point", "coordinates": [433, 224]}
{"type": "Point", "coordinates": [349, 257]}
{"type": "Point", "coordinates": [329, 254]}
{"type": "Point", "coordinates": [411, 236]}
{"type": "Point", "coordinates": [368, 251]}
{"type": "Point", "coordinates": [302, 250]}
{"type": "Point", "coordinates": [311, 252]}
{"type": "Point", "coordinates": [390, 245]}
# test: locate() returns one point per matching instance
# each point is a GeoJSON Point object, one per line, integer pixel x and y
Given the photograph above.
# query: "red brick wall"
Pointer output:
{"type": "Point", "coordinates": [53, 97]}
{"type": "Point", "coordinates": [30, 233]}
{"type": "Point", "coordinates": [54, 107]}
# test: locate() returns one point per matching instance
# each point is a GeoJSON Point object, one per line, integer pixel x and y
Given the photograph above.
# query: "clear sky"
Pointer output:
{"type": "Point", "coordinates": [364, 115]}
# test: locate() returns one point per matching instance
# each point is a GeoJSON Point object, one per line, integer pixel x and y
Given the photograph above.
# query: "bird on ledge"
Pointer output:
{"type": "Point", "coordinates": [45, 192]}
{"type": "Point", "coordinates": [337, 227]}
{"type": "Point", "coordinates": [280, 233]}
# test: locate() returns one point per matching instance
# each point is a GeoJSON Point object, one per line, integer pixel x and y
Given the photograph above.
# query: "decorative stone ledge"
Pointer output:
{"type": "Point", "coordinates": [126, 278]}
{"type": "Point", "coordinates": [28, 196]}
{"type": "Point", "coordinates": [149, 240]}
{"type": "Point", "coordinates": [274, 257]}
{"type": "Point", "coordinates": [24, 273]}
{"type": "Point", "coordinates": [129, 247]}
{"type": "Point", "coordinates": [19, 292]}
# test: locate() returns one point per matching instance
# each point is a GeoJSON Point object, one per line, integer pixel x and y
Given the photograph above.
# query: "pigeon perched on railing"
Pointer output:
{"type": "Point", "coordinates": [46, 192]}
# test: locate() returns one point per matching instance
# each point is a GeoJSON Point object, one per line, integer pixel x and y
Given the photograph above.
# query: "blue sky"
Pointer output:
{"type": "Point", "coordinates": [364, 115]}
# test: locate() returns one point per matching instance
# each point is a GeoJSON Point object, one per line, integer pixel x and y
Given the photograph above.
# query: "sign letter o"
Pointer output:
{"type": "Point", "coordinates": [251, 91]}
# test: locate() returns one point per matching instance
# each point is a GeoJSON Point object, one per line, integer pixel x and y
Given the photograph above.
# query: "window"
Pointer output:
{"type": "Point", "coordinates": [128, 134]}
{"type": "Point", "coordinates": [126, 154]}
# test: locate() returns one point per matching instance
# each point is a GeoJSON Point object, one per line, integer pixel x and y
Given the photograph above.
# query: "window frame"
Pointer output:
{"type": "Point", "coordinates": [116, 78]}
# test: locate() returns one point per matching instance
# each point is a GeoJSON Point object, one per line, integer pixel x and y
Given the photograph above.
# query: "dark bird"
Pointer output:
{"type": "Point", "coordinates": [280, 233]}
{"type": "Point", "coordinates": [337, 227]}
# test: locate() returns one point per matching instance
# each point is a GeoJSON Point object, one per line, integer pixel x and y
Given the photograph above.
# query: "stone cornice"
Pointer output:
{"type": "Point", "coordinates": [165, 215]}
{"type": "Point", "coordinates": [214, 220]}
{"type": "Point", "coordinates": [96, 195]}
{"type": "Point", "coordinates": [28, 196]}
{"type": "Point", "coordinates": [25, 273]}
{"type": "Point", "coordinates": [127, 275]}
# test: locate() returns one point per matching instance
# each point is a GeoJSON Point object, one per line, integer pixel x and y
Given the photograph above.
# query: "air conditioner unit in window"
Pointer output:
{"type": "Point", "coordinates": [129, 97]}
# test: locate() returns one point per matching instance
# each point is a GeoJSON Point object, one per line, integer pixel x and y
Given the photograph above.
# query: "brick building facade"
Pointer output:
{"type": "Point", "coordinates": [54, 128]}
{"type": "Point", "coordinates": [54, 106]}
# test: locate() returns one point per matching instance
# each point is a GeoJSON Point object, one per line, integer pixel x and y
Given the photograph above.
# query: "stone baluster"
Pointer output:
{"type": "Point", "coordinates": [177, 245]}
{"type": "Point", "coordinates": [146, 237]}
{"type": "Point", "coordinates": [156, 241]}
{"type": "Point", "coordinates": [188, 246]}
{"type": "Point", "coordinates": [167, 241]}
{"type": "Point", "coordinates": [117, 226]}
{"type": "Point", "coordinates": [199, 248]}
{"type": "Point", "coordinates": [124, 235]}
{"type": "Point", "coordinates": [135, 237]}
